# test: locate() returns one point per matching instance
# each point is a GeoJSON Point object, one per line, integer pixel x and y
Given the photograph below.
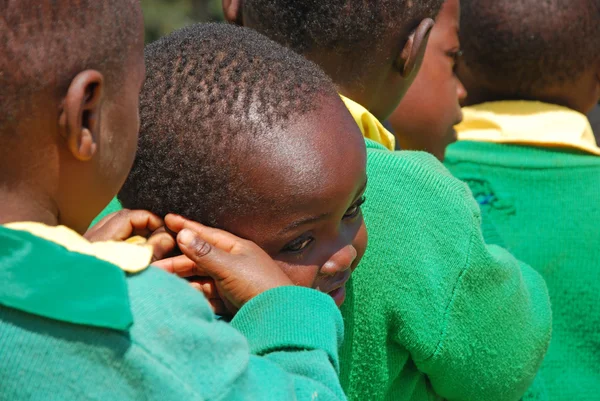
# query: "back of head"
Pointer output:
{"type": "Point", "coordinates": [215, 103]}
{"type": "Point", "coordinates": [45, 43]}
{"type": "Point", "coordinates": [363, 32]}
{"type": "Point", "coordinates": [524, 49]}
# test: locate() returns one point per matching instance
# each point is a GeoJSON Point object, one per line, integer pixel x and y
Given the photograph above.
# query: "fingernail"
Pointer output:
{"type": "Point", "coordinates": [186, 237]}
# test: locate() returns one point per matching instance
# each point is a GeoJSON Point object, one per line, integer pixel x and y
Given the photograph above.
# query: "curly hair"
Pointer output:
{"type": "Point", "coordinates": [214, 94]}
{"type": "Point", "coordinates": [355, 28]}
{"type": "Point", "coordinates": [518, 47]}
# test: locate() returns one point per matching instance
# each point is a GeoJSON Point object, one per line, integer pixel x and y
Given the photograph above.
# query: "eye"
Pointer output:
{"type": "Point", "coordinates": [454, 55]}
{"type": "Point", "coordinates": [354, 210]}
{"type": "Point", "coordinates": [298, 245]}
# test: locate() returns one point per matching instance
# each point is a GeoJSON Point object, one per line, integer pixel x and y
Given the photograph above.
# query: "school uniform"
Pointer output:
{"type": "Point", "coordinates": [535, 169]}
{"type": "Point", "coordinates": [432, 312]}
{"type": "Point", "coordinates": [82, 321]}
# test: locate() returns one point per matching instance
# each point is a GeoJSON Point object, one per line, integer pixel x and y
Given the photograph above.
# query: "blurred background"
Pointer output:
{"type": "Point", "coordinates": [164, 16]}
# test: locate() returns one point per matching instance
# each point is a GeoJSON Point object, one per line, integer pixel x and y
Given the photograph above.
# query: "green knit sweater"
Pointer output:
{"type": "Point", "coordinates": [74, 327]}
{"type": "Point", "coordinates": [545, 204]}
{"type": "Point", "coordinates": [432, 312]}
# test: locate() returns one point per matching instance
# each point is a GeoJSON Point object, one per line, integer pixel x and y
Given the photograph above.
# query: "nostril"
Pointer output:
{"type": "Point", "coordinates": [340, 261]}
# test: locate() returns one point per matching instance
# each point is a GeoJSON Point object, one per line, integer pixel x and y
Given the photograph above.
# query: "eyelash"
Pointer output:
{"type": "Point", "coordinates": [300, 244]}
{"type": "Point", "coordinates": [355, 208]}
{"type": "Point", "coordinates": [454, 56]}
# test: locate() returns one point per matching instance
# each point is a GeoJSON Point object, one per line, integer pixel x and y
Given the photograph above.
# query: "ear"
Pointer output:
{"type": "Point", "coordinates": [411, 56]}
{"type": "Point", "coordinates": [232, 9]}
{"type": "Point", "coordinates": [78, 121]}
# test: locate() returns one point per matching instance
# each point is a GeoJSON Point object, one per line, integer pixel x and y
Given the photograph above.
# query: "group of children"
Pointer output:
{"type": "Point", "coordinates": [238, 156]}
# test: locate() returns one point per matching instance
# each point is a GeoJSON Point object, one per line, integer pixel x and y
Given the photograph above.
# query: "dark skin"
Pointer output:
{"type": "Point", "coordinates": [84, 143]}
{"type": "Point", "coordinates": [381, 88]}
{"type": "Point", "coordinates": [68, 155]}
{"type": "Point", "coordinates": [316, 179]}
{"type": "Point", "coordinates": [580, 94]}
{"type": "Point", "coordinates": [427, 114]}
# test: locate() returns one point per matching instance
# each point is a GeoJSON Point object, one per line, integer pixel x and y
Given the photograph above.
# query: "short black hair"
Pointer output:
{"type": "Point", "coordinates": [355, 28]}
{"type": "Point", "coordinates": [44, 44]}
{"type": "Point", "coordinates": [519, 47]}
{"type": "Point", "coordinates": [213, 96]}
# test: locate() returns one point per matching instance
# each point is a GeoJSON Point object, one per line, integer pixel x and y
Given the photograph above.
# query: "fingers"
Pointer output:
{"type": "Point", "coordinates": [216, 262]}
{"type": "Point", "coordinates": [213, 236]}
{"type": "Point", "coordinates": [125, 224]}
{"type": "Point", "coordinates": [162, 243]}
{"type": "Point", "coordinates": [207, 286]}
{"type": "Point", "coordinates": [181, 266]}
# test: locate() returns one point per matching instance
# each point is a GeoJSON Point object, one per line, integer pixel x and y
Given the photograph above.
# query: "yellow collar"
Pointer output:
{"type": "Point", "coordinates": [527, 123]}
{"type": "Point", "coordinates": [369, 125]}
{"type": "Point", "coordinates": [129, 257]}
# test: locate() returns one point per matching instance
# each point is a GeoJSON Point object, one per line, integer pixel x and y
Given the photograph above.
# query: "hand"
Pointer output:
{"type": "Point", "coordinates": [239, 268]}
{"type": "Point", "coordinates": [208, 287]}
{"type": "Point", "coordinates": [125, 224]}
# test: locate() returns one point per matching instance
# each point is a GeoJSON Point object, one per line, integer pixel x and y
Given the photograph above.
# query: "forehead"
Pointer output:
{"type": "Point", "coordinates": [449, 17]}
{"type": "Point", "coordinates": [318, 158]}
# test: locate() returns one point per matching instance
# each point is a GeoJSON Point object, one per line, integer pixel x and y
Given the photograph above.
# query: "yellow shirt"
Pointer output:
{"type": "Point", "coordinates": [369, 125]}
{"type": "Point", "coordinates": [130, 257]}
{"type": "Point", "coordinates": [527, 123]}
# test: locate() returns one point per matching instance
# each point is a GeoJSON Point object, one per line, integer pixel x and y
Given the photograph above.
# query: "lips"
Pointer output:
{"type": "Point", "coordinates": [336, 282]}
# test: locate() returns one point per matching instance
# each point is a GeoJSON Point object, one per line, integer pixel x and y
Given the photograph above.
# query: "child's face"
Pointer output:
{"type": "Point", "coordinates": [425, 118]}
{"type": "Point", "coordinates": [312, 185]}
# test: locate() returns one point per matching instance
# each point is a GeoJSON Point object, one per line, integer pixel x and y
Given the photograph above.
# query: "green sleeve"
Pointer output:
{"type": "Point", "coordinates": [176, 350]}
{"type": "Point", "coordinates": [475, 320]}
{"type": "Point", "coordinates": [282, 345]}
{"type": "Point", "coordinates": [299, 330]}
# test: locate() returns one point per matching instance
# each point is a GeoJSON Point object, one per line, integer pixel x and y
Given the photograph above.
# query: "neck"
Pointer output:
{"type": "Point", "coordinates": [20, 204]}
{"type": "Point", "coordinates": [557, 97]}
{"type": "Point", "coordinates": [360, 88]}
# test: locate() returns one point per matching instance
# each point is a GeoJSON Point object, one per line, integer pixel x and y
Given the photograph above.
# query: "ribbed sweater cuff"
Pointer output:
{"type": "Point", "coordinates": [291, 318]}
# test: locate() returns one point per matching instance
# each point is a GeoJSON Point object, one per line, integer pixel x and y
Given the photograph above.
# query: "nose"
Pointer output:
{"type": "Point", "coordinates": [340, 261]}
{"type": "Point", "coordinates": [461, 91]}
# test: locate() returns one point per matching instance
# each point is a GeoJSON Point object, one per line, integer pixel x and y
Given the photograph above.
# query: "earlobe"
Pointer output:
{"type": "Point", "coordinates": [232, 10]}
{"type": "Point", "coordinates": [411, 56]}
{"type": "Point", "coordinates": [78, 120]}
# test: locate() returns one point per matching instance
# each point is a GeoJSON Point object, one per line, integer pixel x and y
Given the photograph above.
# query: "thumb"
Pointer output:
{"type": "Point", "coordinates": [212, 259]}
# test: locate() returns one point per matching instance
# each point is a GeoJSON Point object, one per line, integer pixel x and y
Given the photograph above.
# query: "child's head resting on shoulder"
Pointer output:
{"type": "Point", "coordinates": [545, 51]}
{"type": "Point", "coordinates": [427, 114]}
{"type": "Point", "coordinates": [371, 49]}
{"type": "Point", "coordinates": [240, 133]}
{"type": "Point", "coordinates": [70, 78]}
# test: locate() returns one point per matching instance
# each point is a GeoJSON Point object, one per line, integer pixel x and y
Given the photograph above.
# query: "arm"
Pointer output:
{"type": "Point", "coordinates": [475, 320]}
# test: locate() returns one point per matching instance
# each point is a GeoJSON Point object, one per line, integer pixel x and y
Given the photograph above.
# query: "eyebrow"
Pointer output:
{"type": "Point", "coordinates": [312, 219]}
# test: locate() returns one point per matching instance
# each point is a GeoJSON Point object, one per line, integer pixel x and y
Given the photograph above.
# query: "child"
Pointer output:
{"type": "Point", "coordinates": [92, 321]}
{"type": "Point", "coordinates": [426, 116]}
{"type": "Point", "coordinates": [233, 137]}
{"type": "Point", "coordinates": [432, 312]}
{"type": "Point", "coordinates": [530, 157]}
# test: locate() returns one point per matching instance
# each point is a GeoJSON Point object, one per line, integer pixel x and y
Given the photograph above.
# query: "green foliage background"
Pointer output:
{"type": "Point", "coordinates": [164, 16]}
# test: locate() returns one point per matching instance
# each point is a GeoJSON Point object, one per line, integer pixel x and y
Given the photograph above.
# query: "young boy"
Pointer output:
{"type": "Point", "coordinates": [531, 159]}
{"type": "Point", "coordinates": [432, 312]}
{"type": "Point", "coordinates": [427, 114]}
{"type": "Point", "coordinates": [92, 321]}
{"type": "Point", "coordinates": [233, 137]}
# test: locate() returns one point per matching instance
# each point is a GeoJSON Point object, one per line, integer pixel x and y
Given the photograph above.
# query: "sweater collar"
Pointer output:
{"type": "Point", "coordinates": [55, 273]}
{"type": "Point", "coordinates": [527, 123]}
{"type": "Point", "coordinates": [369, 125]}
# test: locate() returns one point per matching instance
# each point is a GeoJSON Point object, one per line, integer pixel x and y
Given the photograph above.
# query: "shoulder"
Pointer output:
{"type": "Point", "coordinates": [414, 178]}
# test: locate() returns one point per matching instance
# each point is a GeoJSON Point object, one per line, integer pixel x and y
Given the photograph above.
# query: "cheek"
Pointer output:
{"type": "Point", "coordinates": [301, 275]}
{"type": "Point", "coordinates": [360, 242]}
